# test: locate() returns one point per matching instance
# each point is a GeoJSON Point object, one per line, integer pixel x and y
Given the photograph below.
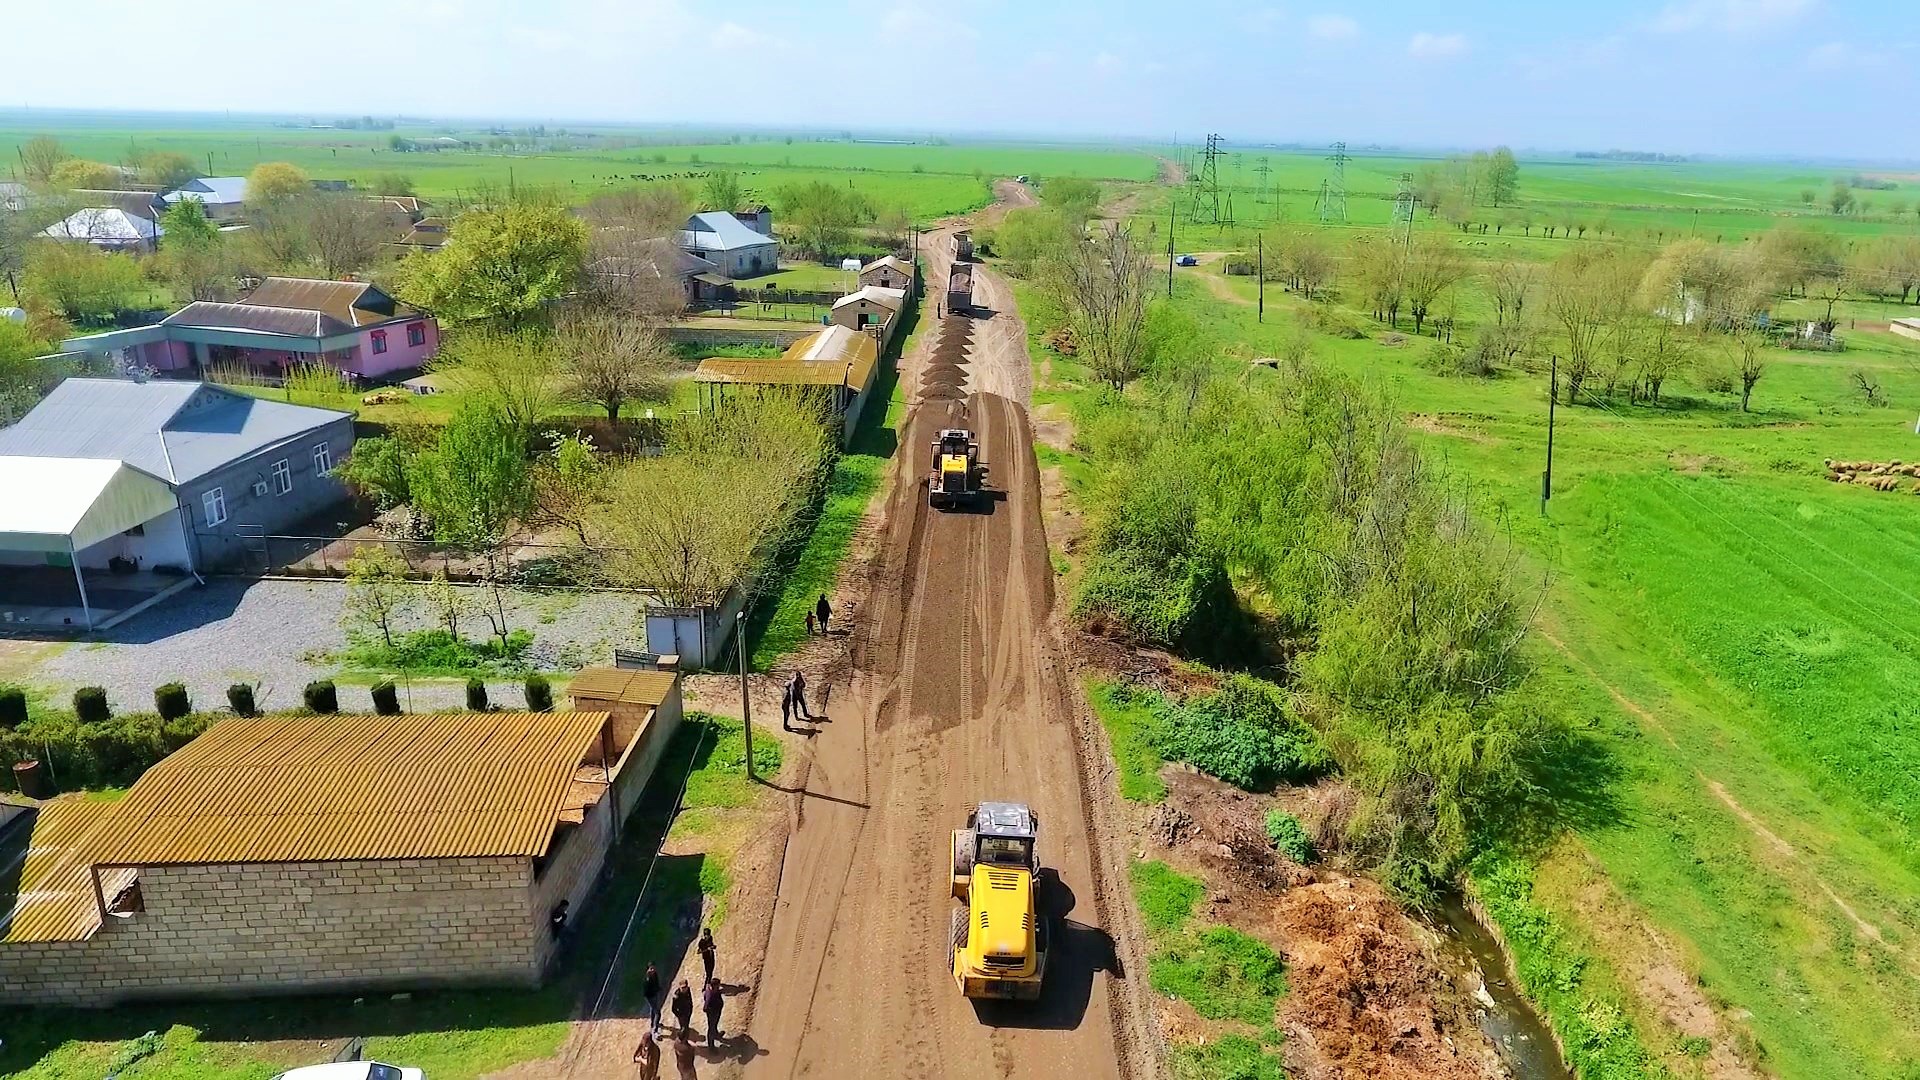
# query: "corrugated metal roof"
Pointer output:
{"type": "Point", "coordinates": [103, 223]}
{"type": "Point", "coordinates": [717, 230]}
{"type": "Point", "coordinates": [69, 504]}
{"type": "Point", "coordinates": [331, 788]}
{"type": "Point", "coordinates": [891, 299]}
{"type": "Point", "coordinates": [830, 357]}
{"type": "Point", "coordinates": [52, 899]}
{"type": "Point", "coordinates": [173, 429]}
{"type": "Point", "coordinates": [630, 686]}
{"type": "Point", "coordinates": [894, 261]}
{"type": "Point", "coordinates": [353, 303]}
{"type": "Point", "coordinates": [212, 190]}
{"type": "Point", "coordinates": [290, 322]}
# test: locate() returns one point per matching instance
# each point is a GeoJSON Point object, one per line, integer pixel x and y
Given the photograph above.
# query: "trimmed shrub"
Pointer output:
{"type": "Point", "coordinates": [476, 695]}
{"type": "Point", "coordinates": [171, 701]}
{"type": "Point", "coordinates": [386, 698]}
{"type": "Point", "coordinates": [13, 708]}
{"type": "Point", "coordinates": [1290, 837]}
{"type": "Point", "coordinates": [539, 693]}
{"type": "Point", "coordinates": [240, 699]}
{"type": "Point", "coordinates": [182, 730]}
{"type": "Point", "coordinates": [321, 697]}
{"type": "Point", "coordinates": [90, 705]}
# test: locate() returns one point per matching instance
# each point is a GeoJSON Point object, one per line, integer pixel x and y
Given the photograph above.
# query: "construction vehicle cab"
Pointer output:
{"type": "Point", "coordinates": [957, 476]}
{"type": "Point", "coordinates": [997, 945]}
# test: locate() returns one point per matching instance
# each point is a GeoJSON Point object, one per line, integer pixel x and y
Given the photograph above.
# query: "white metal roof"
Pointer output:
{"type": "Point", "coordinates": [891, 299]}
{"type": "Point", "coordinates": [103, 223]}
{"type": "Point", "coordinates": [61, 504]}
{"type": "Point", "coordinates": [717, 230]}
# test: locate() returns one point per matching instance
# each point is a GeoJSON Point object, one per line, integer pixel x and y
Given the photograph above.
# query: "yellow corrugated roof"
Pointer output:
{"type": "Point", "coordinates": [824, 358]}
{"type": "Point", "coordinates": [53, 898]}
{"type": "Point", "coordinates": [631, 686]}
{"type": "Point", "coordinates": [328, 788]}
{"type": "Point", "coordinates": [768, 372]}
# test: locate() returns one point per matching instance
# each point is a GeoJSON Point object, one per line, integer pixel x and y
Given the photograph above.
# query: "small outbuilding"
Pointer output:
{"type": "Point", "coordinates": [888, 272]}
{"type": "Point", "coordinates": [868, 308]}
{"type": "Point", "coordinates": [738, 249]}
{"type": "Point", "coordinates": [108, 227]}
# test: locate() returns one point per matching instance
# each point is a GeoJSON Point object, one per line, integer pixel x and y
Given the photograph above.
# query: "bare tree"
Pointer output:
{"type": "Point", "coordinates": [634, 260]}
{"type": "Point", "coordinates": [1665, 350]}
{"type": "Point", "coordinates": [610, 359]}
{"type": "Point", "coordinates": [1433, 266]}
{"type": "Point", "coordinates": [1750, 338]}
{"type": "Point", "coordinates": [1103, 285]}
{"type": "Point", "coordinates": [655, 210]}
{"type": "Point", "coordinates": [1581, 309]}
{"type": "Point", "coordinates": [1833, 286]}
{"type": "Point", "coordinates": [1383, 274]}
{"type": "Point", "coordinates": [343, 230]}
{"type": "Point", "coordinates": [39, 156]}
{"type": "Point", "coordinates": [1511, 284]}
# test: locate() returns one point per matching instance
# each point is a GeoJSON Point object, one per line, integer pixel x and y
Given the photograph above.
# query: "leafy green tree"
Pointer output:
{"type": "Point", "coordinates": [193, 258]}
{"type": "Point", "coordinates": [82, 282]}
{"type": "Point", "coordinates": [378, 468]}
{"type": "Point", "coordinates": [1503, 176]}
{"type": "Point", "coordinates": [1840, 199]}
{"type": "Point", "coordinates": [721, 191]}
{"type": "Point", "coordinates": [1072, 196]}
{"type": "Point", "coordinates": [392, 184]}
{"type": "Point", "coordinates": [475, 486]}
{"type": "Point", "coordinates": [273, 181]}
{"type": "Point", "coordinates": [569, 485]}
{"type": "Point", "coordinates": [505, 263]}
{"type": "Point", "coordinates": [379, 596]}
{"type": "Point", "coordinates": [821, 216]}
{"type": "Point", "coordinates": [74, 173]}
{"type": "Point", "coordinates": [165, 169]}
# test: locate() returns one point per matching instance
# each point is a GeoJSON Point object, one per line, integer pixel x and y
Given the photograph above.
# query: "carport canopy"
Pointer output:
{"type": "Point", "coordinates": [71, 504]}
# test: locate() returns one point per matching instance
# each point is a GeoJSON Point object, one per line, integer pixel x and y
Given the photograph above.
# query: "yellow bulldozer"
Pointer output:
{"type": "Point", "coordinates": [997, 943]}
{"type": "Point", "coordinates": [957, 476]}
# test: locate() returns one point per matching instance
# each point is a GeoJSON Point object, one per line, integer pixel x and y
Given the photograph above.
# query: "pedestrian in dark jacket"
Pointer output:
{"type": "Point", "coordinates": [652, 989]}
{"type": "Point", "coordinates": [683, 1005]}
{"type": "Point", "coordinates": [825, 612]}
{"type": "Point", "coordinates": [708, 951]}
{"type": "Point", "coordinates": [786, 705]}
{"type": "Point", "coordinates": [712, 1001]}
{"type": "Point", "coordinates": [797, 686]}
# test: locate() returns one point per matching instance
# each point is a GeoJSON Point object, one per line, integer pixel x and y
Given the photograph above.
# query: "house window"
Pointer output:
{"type": "Point", "coordinates": [379, 342]}
{"type": "Point", "coordinates": [416, 334]}
{"type": "Point", "coordinates": [213, 505]}
{"type": "Point", "coordinates": [323, 459]}
{"type": "Point", "coordinates": [282, 477]}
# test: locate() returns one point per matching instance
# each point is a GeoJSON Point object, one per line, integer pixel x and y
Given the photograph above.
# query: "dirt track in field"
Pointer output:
{"type": "Point", "coordinates": [953, 692]}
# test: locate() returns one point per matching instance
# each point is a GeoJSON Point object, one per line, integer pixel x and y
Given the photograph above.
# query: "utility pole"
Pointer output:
{"type": "Point", "coordinates": [1260, 275]}
{"type": "Point", "coordinates": [1172, 207]}
{"type": "Point", "coordinates": [746, 707]}
{"type": "Point", "coordinates": [1553, 394]}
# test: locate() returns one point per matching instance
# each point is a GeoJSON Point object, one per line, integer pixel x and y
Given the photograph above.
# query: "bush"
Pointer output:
{"type": "Point", "coordinates": [240, 699]}
{"type": "Point", "coordinates": [171, 701]}
{"type": "Point", "coordinates": [1244, 734]}
{"type": "Point", "coordinates": [1290, 837]}
{"type": "Point", "coordinates": [181, 730]}
{"type": "Point", "coordinates": [386, 698]}
{"type": "Point", "coordinates": [476, 695]}
{"type": "Point", "coordinates": [90, 705]}
{"type": "Point", "coordinates": [13, 708]}
{"type": "Point", "coordinates": [539, 693]}
{"type": "Point", "coordinates": [320, 697]}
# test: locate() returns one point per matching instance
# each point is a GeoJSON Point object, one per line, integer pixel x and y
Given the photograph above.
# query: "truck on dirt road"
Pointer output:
{"type": "Point", "coordinates": [957, 477]}
{"type": "Point", "coordinates": [997, 940]}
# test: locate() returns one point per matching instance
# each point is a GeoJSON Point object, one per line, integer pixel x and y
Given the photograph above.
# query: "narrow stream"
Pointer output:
{"type": "Point", "coordinates": [1508, 1018]}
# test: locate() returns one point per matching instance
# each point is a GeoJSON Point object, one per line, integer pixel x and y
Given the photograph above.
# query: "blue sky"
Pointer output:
{"type": "Point", "coordinates": [1770, 77]}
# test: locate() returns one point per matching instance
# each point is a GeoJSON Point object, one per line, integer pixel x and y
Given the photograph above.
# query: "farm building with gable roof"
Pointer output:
{"type": "Point", "coordinates": [292, 854]}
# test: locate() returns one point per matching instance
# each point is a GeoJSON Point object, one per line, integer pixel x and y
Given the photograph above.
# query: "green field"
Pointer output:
{"type": "Point", "coordinates": [928, 180]}
{"type": "Point", "coordinates": [1733, 635]}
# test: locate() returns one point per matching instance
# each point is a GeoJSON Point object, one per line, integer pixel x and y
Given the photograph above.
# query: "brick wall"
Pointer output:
{"type": "Point", "coordinates": [570, 872]}
{"type": "Point", "coordinates": [297, 928]}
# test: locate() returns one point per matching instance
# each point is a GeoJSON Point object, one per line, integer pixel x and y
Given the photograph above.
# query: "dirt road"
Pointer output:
{"type": "Point", "coordinates": [952, 693]}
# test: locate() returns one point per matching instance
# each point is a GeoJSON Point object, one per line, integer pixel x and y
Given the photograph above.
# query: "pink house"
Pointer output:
{"type": "Point", "coordinates": [285, 322]}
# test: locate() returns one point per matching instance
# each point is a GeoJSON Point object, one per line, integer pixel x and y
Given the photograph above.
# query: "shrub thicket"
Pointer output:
{"type": "Point", "coordinates": [171, 701]}
{"type": "Point", "coordinates": [90, 705]}
{"type": "Point", "coordinates": [13, 707]}
{"type": "Point", "coordinates": [320, 697]}
{"type": "Point", "coordinates": [240, 699]}
{"type": "Point", "coordinates": [476, 695]}
{"type": "Point", "coordinates": [539, 693]}
{"type": "Point", "coordinates": [109, 753]}
{"type": "Point", "coordinates": [386, 698]}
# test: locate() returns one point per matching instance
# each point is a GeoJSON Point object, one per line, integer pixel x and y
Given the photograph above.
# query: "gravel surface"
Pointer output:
{"type": "Point", "coordinates": [279, 634]}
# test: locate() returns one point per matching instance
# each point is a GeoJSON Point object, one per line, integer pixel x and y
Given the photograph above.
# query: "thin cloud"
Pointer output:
{"type": "Point", "coordinates": [1737, 16]}
{"type": "Point", "coordinates": [1841, 56]}
{"type": "Point", "coordinates": [1424, 44]}
{"type": "Point", "coordinates": [1332, 27]}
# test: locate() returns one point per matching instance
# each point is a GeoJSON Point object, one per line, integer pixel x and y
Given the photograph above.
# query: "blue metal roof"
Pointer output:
{"type": "Point", "coordinates": [717, 230]}
{"type": "Point", "coordinates": [217, 190]}
{"type": "Point", "coordinates": [176, 430]}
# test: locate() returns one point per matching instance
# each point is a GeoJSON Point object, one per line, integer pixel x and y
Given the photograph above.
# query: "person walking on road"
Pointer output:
{"type": "Point", "coordinates": [712, 1001]}
{"type": "Point", "coordinates": [810, 624]}
{"type": "Point", "coordinates": [797, 686]}
{"type": "Point", "coordinates": [825, 611]}
{"type": "Point", "coordinates": [708, 951]}
{"type": "Point", "coordinates": [652, 990]}
{"type": "Point", "coordinates": [683, 1006]}
{"type": "Point", "coordinates": [786, 705]}
{"type": "Point", "coordinates": [683, 1054]}
{"type": "Point", "coordinates": [647, 1056]}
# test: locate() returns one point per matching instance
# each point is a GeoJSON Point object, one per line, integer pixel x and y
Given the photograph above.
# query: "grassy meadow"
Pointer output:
{"type": "Point", "coordinates": [1733, 636]}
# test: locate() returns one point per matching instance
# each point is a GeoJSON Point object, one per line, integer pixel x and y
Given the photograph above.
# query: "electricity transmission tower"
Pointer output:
{"type": "Point", "coordinates": [1403, 204]}
{"type": "Point", "coordinates": [1206, 204]}
{"type": "Point", "coordinates": [1333, 190]}
{"type": "Point", "coordinates": [1263, 170]}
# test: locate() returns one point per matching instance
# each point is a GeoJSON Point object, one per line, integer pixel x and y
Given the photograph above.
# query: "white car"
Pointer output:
{"type": "Point", "coordinates": [352, 1070]}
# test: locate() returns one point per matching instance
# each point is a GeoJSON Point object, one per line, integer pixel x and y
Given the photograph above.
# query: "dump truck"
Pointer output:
{"type": "Point", "coordinates": [997, 941]}
{"type": "Point", "coordinates": [957, 476]}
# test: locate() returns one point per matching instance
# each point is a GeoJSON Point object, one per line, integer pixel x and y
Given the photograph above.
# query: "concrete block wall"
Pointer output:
{"type": "Point", "coordinates": [570, 873]}
{"type": "Point", "coordinates": [247, 930]}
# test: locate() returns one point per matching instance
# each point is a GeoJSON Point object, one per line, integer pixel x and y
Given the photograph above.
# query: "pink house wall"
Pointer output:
{"type": "Point", "coordinates": [167, 355]}
{"type": "Point", "coordinates": [400, 356]}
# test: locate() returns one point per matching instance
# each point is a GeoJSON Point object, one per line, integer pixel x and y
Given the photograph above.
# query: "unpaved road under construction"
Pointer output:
{"type": "Point", "coordinates": [953, 693]}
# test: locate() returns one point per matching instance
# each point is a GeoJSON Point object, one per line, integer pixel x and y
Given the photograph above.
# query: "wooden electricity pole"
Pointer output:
{"type": "Point", "coordinates": [1173, 204]}
{"type": "Point", "coordinates": [1260, 275]}
{"type": "Point", "coordinates": [746, 707]}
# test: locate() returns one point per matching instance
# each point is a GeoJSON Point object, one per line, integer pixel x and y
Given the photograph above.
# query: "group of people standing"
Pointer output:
{"type": "Point", "coordinates": [712, 1001]}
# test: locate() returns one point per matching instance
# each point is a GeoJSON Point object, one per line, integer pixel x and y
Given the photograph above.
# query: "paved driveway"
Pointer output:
{"type": "Point", "coordinates": [280, 634]}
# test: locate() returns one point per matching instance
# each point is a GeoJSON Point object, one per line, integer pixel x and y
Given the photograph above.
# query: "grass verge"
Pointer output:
{"type": "Point", "coordinates": [1128, 716]}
